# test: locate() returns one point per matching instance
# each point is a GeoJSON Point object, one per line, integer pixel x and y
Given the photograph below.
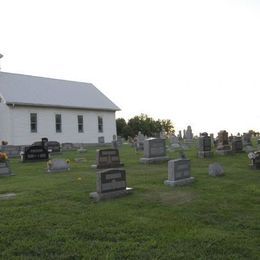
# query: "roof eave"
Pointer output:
{"type": "Point", "coordinates": [60, 106]}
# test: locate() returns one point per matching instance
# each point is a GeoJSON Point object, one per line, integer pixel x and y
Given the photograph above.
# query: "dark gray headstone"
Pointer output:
{"type": "Point", "coordinates": [237, 144]}
{"type": "Point", "coordinates": [34, 153]}
{"type": "Point", "coordinates": [108, 158]}
{"type": "Point", "coordinates": [54, 146]}
{"type": "Point", "coordinates": [110, 183]}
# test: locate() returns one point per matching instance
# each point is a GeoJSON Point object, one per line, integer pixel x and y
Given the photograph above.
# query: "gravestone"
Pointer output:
{"type": "Point", "coordinates": [114, 142]}
{"type": "Point", "coordinates": [184, 134]}
{"type": "Point", "coordinates": [67, 146]}
{"type": "Point", "coordinates": [34, 153]}
{"type": "Point", "coordinates": [180, 136]}
{"type": "Point", "coordinates": [12, 151]}
{"type": "Point", "coordinates": [120, 140]}
{"type": "Point", "coordinates": [140, 141]}
{"type": "Point", "coordinates": [174, 139]}
{"type": "Point", "coordinates": [58, 165]}
{"type": "Point", "coordinates": [5, 169]}
{"type": "Point", "coordinates": [204, 146]}
{"type": "Point", "coordinates": [215, 169]}
{"type": "Point", "coordinates": [154, 151]}
{"type": "Point", "coordinates": [255, 160]}
{"type": "Point", "coordinates": [236, 144]}
{"type": "Point", "coordinates": [189, 134]}
{"type": "Point", "coordinates": [247, 139]}
{"type": "Point", "coordinates": [110, 183]}
{"type": "Point", "coordinates": [223, 146]}
{"type": "Point", "coordinates": [82, 150]}
{"type": "Point", "coordinates": [107, 158]}
{"type": "Point", "coordinates": [179, 172]}
{"type": "Point", "coordinates": [54, 146]}
{"type": "Point", "coordinates": [174, 142]}
{"type": "Point", "coordinates": [247, 143]}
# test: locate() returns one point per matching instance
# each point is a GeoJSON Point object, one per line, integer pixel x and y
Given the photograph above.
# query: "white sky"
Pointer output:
{"type": "Point", "coordinates": [194, 62]}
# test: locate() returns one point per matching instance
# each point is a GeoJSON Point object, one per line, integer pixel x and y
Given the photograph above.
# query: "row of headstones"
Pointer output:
{"type": "Point", "coordinates": [157, 146]}
{"type": "Point", "coordinates": [111, 176]}
{"type": "Point", "coordinates": [43, 147]}
{"type": "Point", "coordinates": [225, 144]}
{"type": "Point", "coordinates": [138, 141]}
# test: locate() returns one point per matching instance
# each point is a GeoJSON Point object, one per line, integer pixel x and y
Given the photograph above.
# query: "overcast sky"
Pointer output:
{"type": "Point", "coordinates": [194, 62]}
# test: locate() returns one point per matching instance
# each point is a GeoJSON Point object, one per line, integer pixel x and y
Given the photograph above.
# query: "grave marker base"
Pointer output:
{"type": "Point", "coordinates": [96, 196]}
{"type": "Point", "coordinates": [179, 182]}
{"type": "Point", "coordinates": [120, 165]}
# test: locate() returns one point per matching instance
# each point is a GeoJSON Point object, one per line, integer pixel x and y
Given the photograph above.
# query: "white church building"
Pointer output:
{"type": "Point", "coordinates": [64, 111]}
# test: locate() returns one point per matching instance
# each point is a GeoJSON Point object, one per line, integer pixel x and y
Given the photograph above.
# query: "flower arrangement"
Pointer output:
{"type": "Point", "coordinates": [49, 163]}
{"type": "Point", "coordinates": [3, 157]}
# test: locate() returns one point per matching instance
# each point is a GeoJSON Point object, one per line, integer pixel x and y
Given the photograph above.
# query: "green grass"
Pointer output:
{"type": "Point", "coordinates": [52, 216]}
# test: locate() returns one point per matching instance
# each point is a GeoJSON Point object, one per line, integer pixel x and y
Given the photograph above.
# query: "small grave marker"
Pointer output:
{"type": "Point", "coordinates": [58, 165]}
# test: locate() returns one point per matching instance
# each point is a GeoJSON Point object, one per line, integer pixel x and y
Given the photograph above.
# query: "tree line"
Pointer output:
{"type": "Point", "coordinates": [147, 125]}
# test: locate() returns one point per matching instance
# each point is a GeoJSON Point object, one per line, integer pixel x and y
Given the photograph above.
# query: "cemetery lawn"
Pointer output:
{"type": "Point", "coordinates": [52, 216]}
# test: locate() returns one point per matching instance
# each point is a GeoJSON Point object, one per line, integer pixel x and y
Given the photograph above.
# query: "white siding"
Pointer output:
{"type": "Point", "coordinates": [4, 122]}
{"type": "Point", "coordinates": [21, 132]}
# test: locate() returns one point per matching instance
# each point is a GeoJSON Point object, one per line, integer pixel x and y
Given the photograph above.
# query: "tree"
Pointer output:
{"type": "Point", "coordinates": [148, 126]}
{"type": "Point", "coordinates": [168, 126]}
{"type": "Point", "coordinates": [120, 125]}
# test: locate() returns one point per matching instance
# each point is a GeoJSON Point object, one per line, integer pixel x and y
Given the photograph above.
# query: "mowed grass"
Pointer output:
{"type": "Point", "coordinates": [52, 216]}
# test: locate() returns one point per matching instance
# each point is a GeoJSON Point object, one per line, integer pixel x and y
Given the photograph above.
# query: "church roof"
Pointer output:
{"type": "Point", "coordinates": [19, 89]}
